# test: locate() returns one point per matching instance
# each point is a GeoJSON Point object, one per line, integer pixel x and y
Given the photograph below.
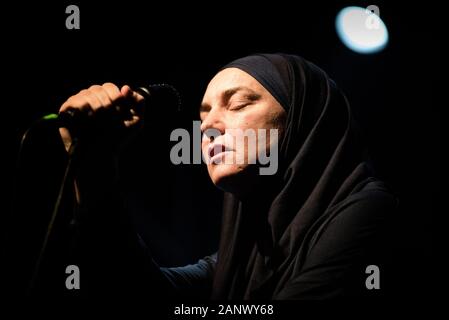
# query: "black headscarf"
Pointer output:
{"type": "Point", "coordinates": [265, 238]}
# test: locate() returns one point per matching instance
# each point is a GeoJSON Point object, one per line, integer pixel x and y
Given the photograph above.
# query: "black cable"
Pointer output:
{"type": "Point", "coordinates": [71, 153]}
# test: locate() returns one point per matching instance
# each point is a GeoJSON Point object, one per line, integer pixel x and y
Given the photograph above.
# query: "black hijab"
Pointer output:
{"type": "Point", "coordinates": [265, 238]}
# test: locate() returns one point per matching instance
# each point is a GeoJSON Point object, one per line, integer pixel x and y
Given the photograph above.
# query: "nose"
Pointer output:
{"type": "Point", "coordinates": [213, 122]}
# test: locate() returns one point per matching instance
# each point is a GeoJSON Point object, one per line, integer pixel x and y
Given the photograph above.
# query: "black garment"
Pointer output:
{"type": "Point", "coordinates": [338, 253]}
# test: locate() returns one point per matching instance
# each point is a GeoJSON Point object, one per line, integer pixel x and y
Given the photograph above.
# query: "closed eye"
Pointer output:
{"type": "Point", "coordinates": [239, 106]}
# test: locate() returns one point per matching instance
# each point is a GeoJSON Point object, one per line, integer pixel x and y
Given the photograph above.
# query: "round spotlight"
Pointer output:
{"type": "Point", "coordinates": [361, 30]}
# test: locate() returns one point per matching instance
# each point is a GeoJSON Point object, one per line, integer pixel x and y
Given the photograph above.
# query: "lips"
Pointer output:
{"type": "Point", "coordinates": [216, 148]}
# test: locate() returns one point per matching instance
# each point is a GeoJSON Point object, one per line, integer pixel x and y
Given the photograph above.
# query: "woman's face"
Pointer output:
{"type": "Point", "coordinates": [235, 108]}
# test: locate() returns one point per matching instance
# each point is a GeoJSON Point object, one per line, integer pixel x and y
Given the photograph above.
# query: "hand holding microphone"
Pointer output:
{"type": "Point", "coordinates": [106, 113]}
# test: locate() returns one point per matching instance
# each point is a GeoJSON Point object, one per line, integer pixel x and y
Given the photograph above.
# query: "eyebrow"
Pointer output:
{"type": "Point", "coordinates": [228, 93]}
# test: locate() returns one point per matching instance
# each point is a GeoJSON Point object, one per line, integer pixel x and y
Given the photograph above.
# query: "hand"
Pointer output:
{"type": "Point", "coordinates": [114, 113]}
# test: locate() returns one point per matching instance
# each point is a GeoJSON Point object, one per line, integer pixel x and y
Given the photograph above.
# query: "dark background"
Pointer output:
{"type": "Point", "coordinates": [176, 208]}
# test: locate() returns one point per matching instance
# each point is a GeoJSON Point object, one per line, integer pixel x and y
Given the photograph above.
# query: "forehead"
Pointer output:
{"type": "Point", "coordinates": [231, 78]}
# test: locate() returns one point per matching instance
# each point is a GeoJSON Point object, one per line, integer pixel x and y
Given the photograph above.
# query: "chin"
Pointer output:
{"type": "Point", "coordinates": [226, 176]}
{"type": "Point", "coordinates": [240, 180]}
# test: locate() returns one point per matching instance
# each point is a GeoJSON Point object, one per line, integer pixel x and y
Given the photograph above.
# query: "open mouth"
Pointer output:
{"type": "Point", "coordinates": [216, 151]}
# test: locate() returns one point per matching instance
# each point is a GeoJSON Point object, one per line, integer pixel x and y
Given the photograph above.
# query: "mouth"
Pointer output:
{"type": "Point", "coordinates": [215, 150]}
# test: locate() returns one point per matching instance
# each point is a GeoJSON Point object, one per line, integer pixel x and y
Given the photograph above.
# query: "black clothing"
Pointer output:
{"type": "Point", "coordinates": [339, 249]}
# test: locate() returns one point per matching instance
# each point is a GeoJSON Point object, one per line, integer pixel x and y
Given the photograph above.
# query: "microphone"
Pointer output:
{"type": "Point", "coordinates": [75, 120]}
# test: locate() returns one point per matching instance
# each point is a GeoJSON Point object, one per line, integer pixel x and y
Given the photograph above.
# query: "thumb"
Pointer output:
{"type": "Point", "coordinates": [128, 93]}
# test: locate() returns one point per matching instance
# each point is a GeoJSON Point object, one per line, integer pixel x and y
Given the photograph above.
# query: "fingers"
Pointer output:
{"type": "Point", "coordinates": [131, 95]}
{"type": "Point", "coordinates": [96, 97]}
{"type": "Point", "coordinates": [135, 103]}
{"type": "Point", "coordinates": [126, 103]}
{"type": "Point", "coordinates": [111, 109]}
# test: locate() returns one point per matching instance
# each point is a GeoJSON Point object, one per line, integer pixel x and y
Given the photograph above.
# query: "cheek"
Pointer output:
{"type": "Point", "coordinates": [248, 121]}
{"type": "Point", "coordinates": [260, 118]}
{"type": "Point", "coordinates": [267, 128]}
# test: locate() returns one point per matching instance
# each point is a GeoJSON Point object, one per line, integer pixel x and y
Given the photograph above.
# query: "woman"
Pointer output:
{"type": "Point", "coordinates": [310, 230]}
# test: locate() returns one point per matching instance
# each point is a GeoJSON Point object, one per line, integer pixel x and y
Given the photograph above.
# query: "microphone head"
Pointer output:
{"type": "Point", "coordinates": [161, 92]}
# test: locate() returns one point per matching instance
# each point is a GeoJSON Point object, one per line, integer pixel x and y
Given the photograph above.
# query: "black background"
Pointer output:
{"type": "Point", "coordinates": [176, 208]}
